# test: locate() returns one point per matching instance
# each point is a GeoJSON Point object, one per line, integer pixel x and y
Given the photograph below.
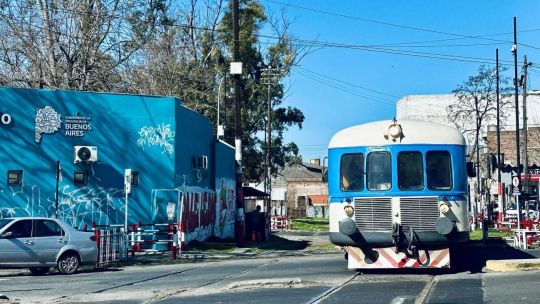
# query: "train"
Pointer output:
{"type": "Point", "coordinates": [398, 195]}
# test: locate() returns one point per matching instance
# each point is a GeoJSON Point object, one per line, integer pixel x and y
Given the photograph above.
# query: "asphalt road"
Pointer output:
{"type": "Point", "coordinates": [321, 278]}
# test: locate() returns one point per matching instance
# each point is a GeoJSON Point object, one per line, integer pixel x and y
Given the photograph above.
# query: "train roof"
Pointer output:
{"type": "Point", "coordinates": [413, 132]}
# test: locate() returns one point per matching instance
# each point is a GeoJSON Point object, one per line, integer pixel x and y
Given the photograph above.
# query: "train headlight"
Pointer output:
{"type": "Point", "coordinates": [444, 208]}
{"type": "Point", "coordinates": [349, 210]}
{"type": "Point", "coordinates": [394, 131]}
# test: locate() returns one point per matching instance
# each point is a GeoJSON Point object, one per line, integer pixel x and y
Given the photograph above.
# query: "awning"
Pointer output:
{"type": "Point", "coordinates": [318, 200]}
{"type": "Point", "coordinates": [252, 192]}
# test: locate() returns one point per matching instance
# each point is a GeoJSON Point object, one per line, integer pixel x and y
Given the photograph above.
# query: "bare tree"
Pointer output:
{"type": "Point", "coordinates": [75, 44]}
{"type": "Point", "coordinates": [476, 105]}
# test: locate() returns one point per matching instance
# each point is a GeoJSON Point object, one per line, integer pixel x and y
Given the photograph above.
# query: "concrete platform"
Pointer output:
{"type": "Point", "coordinates": [513, 265]}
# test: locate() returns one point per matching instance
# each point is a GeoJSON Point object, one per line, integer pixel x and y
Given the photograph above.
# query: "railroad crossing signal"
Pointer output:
{"type": "Point", "coordinates": [515, 183]}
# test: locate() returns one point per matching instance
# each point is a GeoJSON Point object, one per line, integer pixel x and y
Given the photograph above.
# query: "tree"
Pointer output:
{"type": "Point", "coordinates": [74, 44]}
{"type": "Point", "coordinates": [190, 59]}
{"type": "Point", "coordinates": [476, 105]}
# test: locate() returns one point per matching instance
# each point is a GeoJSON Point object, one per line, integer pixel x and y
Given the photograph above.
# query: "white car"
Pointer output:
{"type": "Point", "coordinates": [42, 243]}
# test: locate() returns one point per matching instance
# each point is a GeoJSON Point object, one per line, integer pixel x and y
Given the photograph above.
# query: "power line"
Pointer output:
{"type": "Point", "coordinates": [340, 87]}
{"type": "Point", "coordinates": [348, 83]}
{"type": "Point", "coordinates": [344, 89]}
{"type": "Point", "coordinates": [394, 24]}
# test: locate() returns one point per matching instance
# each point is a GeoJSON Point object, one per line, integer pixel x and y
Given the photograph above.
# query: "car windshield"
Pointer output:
{"type": "Point", "coordinates": [4, 222]}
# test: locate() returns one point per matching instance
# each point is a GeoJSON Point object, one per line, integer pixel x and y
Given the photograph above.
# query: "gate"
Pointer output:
{"type": "Point", "coordinates": [112, 246]}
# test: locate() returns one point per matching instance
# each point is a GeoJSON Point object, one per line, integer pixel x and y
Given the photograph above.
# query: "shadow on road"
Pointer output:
{"type": "Point", "coordinates": [273, 243]}
{"type": "Point", "coordinates": [473, 255]}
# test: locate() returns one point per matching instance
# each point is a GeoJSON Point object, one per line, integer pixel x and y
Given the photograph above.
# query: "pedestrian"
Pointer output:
{"type": "Point", "coordinates": [257, 222]}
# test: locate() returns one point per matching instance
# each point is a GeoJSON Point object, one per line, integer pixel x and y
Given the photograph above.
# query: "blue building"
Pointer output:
{"type": "Point", "coordinates": [180, 171]}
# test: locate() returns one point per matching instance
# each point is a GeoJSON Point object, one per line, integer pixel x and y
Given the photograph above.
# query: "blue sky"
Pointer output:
{"type": "Point", "coordinates": [337, 87]}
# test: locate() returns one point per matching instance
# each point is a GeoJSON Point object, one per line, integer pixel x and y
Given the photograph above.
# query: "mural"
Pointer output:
{"type": "Point", "coordinates": [47, 122]}
{"type": "Point", "coordinates": [161, 136]}
{"type": "Point", "coordinates": [199, 214]}
{"type": "Point", "coordinates": [226, 208]}
{"type": "Point", "coordinates": [76, 206]}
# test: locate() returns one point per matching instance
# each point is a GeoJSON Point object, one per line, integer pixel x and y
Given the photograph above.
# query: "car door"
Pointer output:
{"type": "Point", "coordinates": [17, 246]}
{"type": "Point", "coordinates": [49, 238]}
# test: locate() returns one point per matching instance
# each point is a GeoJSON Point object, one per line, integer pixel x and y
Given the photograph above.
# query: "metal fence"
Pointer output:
{"type": "Point", "coordinates": [112, 246]}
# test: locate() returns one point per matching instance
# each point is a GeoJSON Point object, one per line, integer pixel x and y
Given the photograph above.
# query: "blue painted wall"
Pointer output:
{"type": "Point", "coordinates": [153, 135]}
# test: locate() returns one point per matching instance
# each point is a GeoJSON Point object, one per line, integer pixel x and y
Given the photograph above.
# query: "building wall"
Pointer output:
{"type": "Point", "coordinates": [225, 191]}
{"type": "Point", "coordinates": [155, 136]}
{"type": "Point", "coordinates": [508, 145]}
{"type": "Point", "coordinates": [433, 108]}
{"type": "Point", "coordinates": [297, 189]}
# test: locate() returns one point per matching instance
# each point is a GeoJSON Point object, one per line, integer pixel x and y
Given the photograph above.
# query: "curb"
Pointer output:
{"type": "Point", "coordinates": [513, 265]}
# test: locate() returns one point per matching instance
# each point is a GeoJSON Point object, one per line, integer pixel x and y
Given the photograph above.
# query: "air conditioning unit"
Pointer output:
{"type": "Point", "coordinates": [200, 162]}
{"type": "Point", "coordinates": [85, 154]}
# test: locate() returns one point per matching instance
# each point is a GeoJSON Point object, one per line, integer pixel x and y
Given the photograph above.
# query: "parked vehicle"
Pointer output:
{"type": "Point", "coordinates": [42, 243]}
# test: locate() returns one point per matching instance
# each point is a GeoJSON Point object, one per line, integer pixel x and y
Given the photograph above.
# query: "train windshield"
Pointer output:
{"type": "Point", "coordinates": [410, 171]}
{"type": "Point", "coordinates": [439, 170]}
{"type": "Point", "coordinates": [352, 172]}
{"type": "Point", "coordinates": [379, 171]}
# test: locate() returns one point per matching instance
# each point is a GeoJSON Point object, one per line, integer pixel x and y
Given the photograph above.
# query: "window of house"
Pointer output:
{"type": "Point", "coordinates": [15, 177]}
{"type": "Point", "coordinates": [439, 170]}
{"type": "Point", "coordinates": [410, 170]}
{"type": "Point", "coordinates": [379, 171]}
{"type": "Point", "coordinates": [352, 172]}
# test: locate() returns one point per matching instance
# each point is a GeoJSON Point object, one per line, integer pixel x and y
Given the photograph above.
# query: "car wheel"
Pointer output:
{"type": "Point", "coordinates": [37, 271]}
{"type": "Point", "coordinates": [68, 263]}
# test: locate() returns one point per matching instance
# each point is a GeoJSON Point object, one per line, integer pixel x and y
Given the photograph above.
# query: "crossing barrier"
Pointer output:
{"type": "Point", "coordinates": [280, 222]}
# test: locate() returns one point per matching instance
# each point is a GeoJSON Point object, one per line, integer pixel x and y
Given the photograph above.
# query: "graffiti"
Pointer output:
{"type": "Point", "coordinates": [162, 136]}
{"type": "Point", "coordinates": [47, 122]}
{"type": "Point", "coordinates": [76, 206]}
{"type": "Point", "coordinates": [90, 205]}
{"type": "Point", "coordinates": [226, 208]}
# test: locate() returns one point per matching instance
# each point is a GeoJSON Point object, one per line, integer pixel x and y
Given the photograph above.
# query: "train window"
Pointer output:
{"type": "Point", "coordinates": [379, 171]}
{"type": "Point", "coordinates": [410, 171]}
{"type": "Point", "coordinates": [439, 170]}
{"type": "Point", "coordinates": [352, 172]}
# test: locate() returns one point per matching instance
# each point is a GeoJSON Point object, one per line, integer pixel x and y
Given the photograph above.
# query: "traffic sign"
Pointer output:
{"type": "Point", "coordinates": [515, 181]}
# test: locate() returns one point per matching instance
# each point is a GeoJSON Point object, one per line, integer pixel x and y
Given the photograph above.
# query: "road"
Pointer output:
{"type": "Point", "coordinates": [319, 278]}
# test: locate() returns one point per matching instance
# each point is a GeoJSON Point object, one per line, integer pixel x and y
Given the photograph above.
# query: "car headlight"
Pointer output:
{"type": "Point", "coordinates": [349, 210]}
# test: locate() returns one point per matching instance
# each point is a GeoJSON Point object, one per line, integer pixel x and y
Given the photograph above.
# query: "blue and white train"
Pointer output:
{"type": "Point", "coordinates": [398, 193]}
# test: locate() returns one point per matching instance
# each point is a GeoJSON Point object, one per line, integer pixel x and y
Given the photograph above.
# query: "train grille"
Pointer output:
{"type": "Point", "coordinates": [420, 213]}
{"type": "Point", "coordinates": [373, 213]}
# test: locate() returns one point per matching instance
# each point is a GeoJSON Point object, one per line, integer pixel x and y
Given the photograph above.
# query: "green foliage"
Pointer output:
{"type": "Point", "coordinates": [310, 224]}
{"type": "Point", "coordinates": [492, 234]}
{"type": "Point", "coordinates": [192, 63]}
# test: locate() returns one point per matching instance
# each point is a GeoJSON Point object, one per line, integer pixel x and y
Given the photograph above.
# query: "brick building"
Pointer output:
{"type": "Point", "coordinates": [508, 145]}
{"type": "Point", "coordinates": [299, 190]}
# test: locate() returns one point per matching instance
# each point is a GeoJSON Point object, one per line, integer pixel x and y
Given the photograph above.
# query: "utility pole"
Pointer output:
{"type": "Point", "coordinates": [518, 163]}
{"type": "Point", "coordinates": [500, 190]}
{"type": "Point", "coordinates": [269, 77]}
{"type": "Point", "coordinates": [236, 71]}
{"type": "Point", "coordinates": [525, 160]}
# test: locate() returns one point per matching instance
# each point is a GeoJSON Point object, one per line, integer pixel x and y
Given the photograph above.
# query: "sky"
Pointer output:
{"type": "Point", "coordinates": [369, 54]}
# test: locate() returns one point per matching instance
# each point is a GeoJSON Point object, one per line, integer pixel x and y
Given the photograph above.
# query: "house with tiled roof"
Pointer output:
{"type": "Point", "coordinates": [300, 190]}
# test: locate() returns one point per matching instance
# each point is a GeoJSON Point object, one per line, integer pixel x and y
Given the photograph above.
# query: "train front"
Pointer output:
{"type": "Point", "coordinates": [398, 193]}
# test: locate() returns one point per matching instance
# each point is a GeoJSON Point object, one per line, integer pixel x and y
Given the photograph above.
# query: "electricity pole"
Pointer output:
{"type": "Point", "coordinates": [500, 190]}
{"type": "Point", "coordinates": [236, 71]}
{"type": "Point", "coordinates": [269, 77]}
{"type": "Point", "coordinates": [518, 163]}
{"type": "Point", "coordinates": [525, 160]}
